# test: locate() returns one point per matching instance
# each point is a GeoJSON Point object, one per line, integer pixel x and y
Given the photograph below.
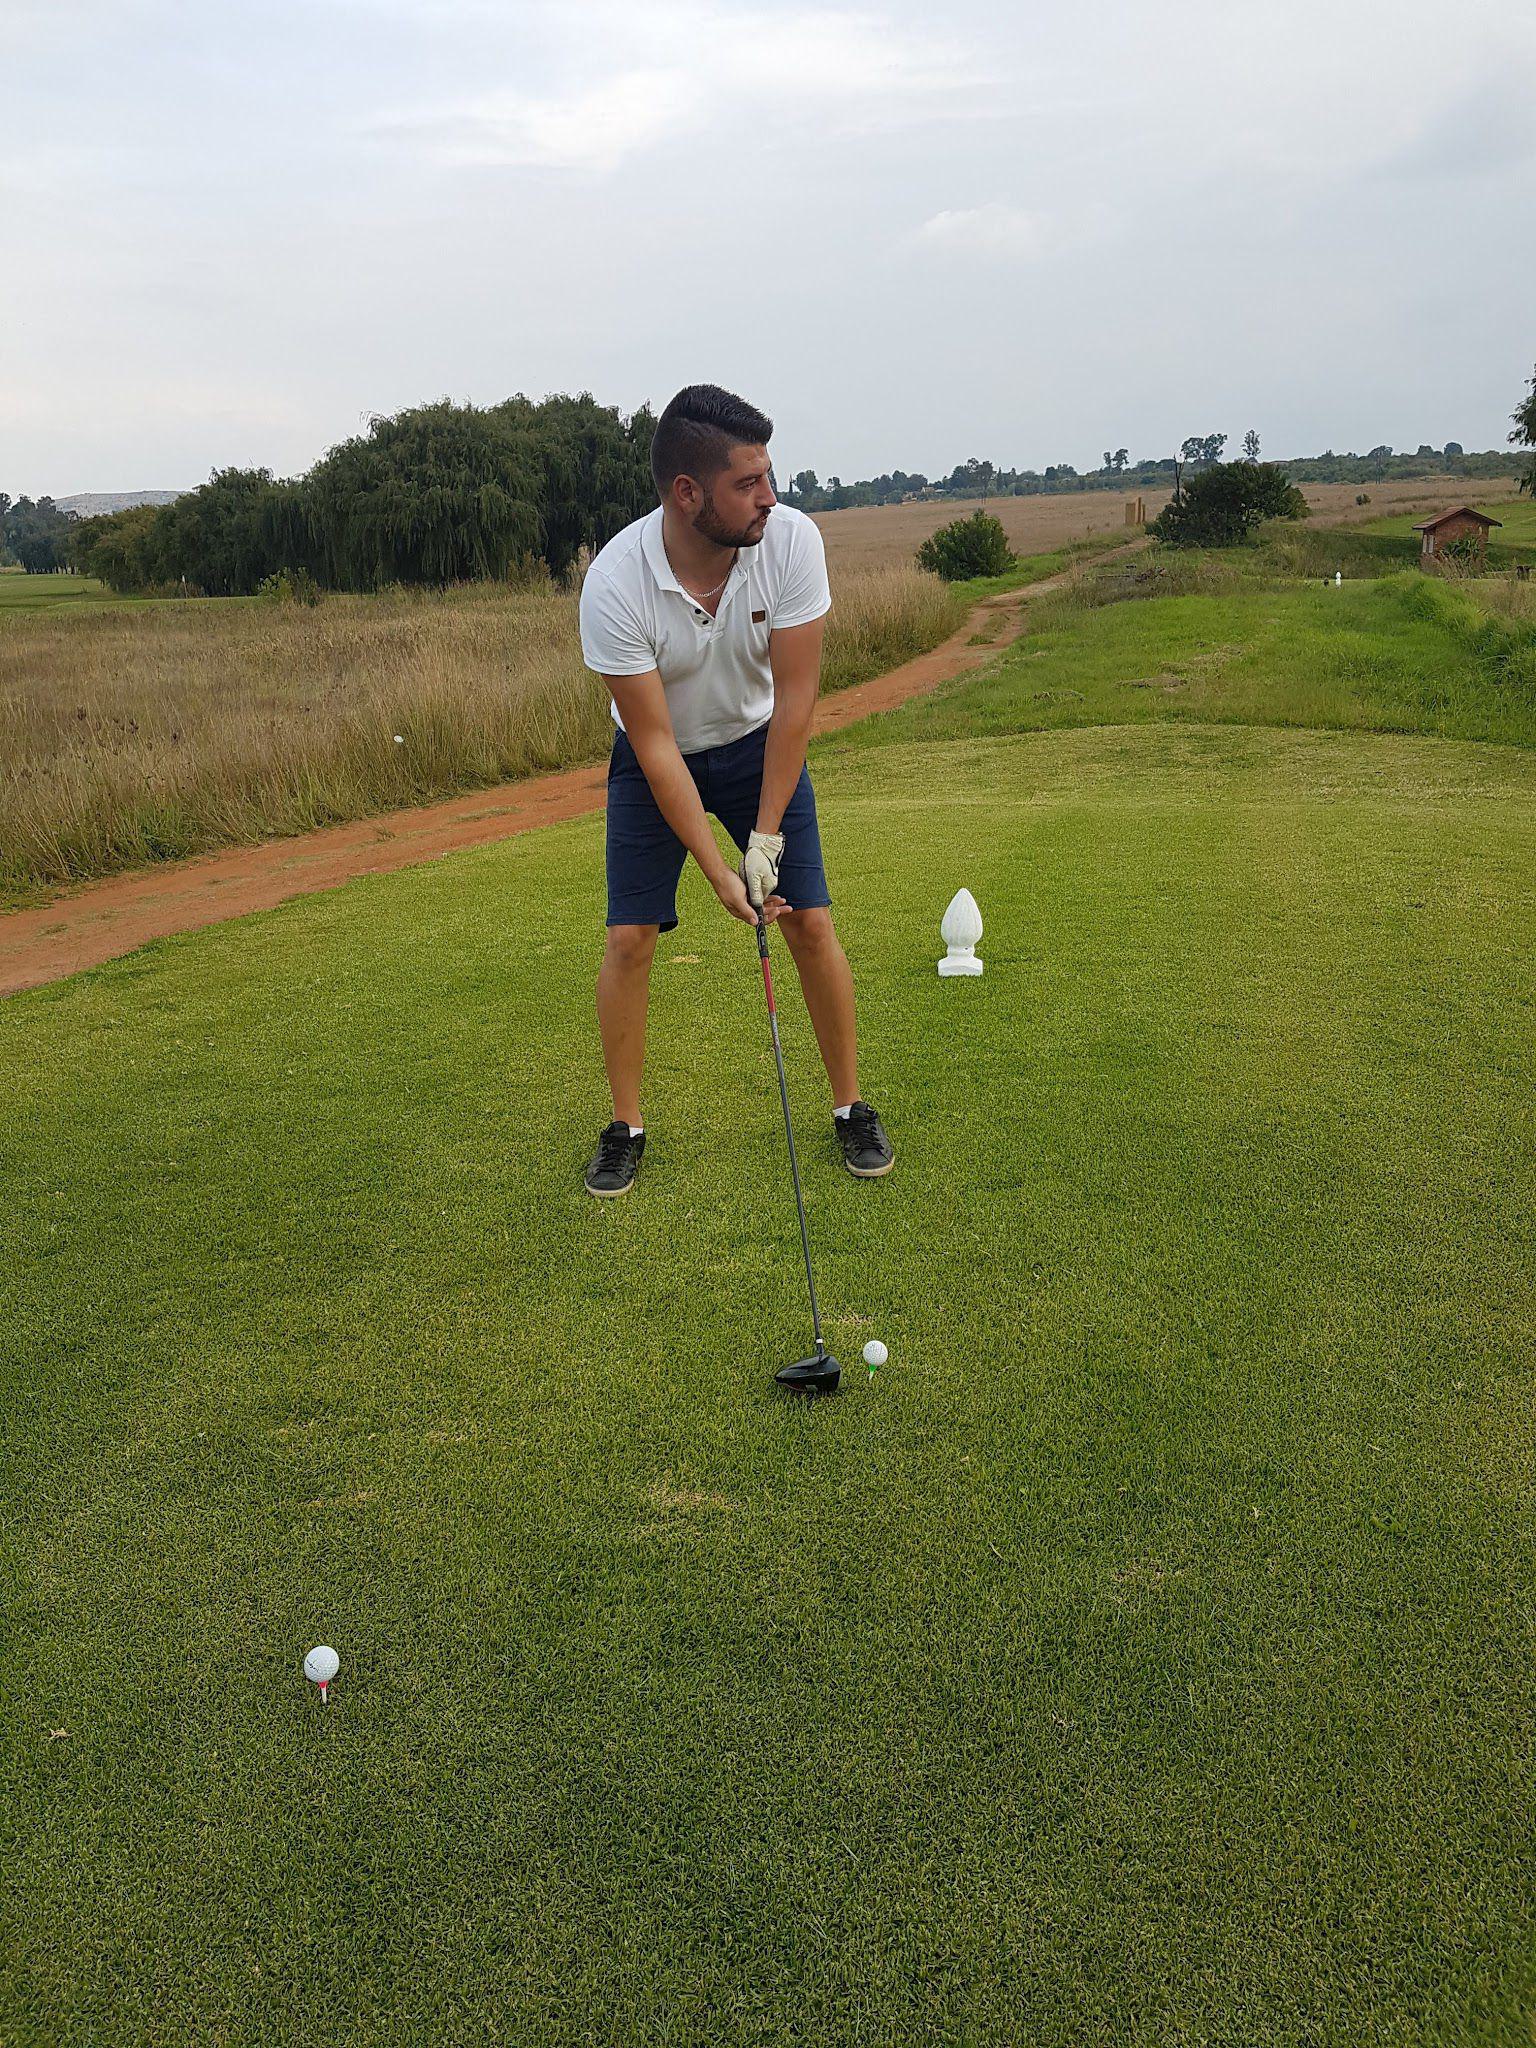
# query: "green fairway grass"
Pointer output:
{"type": "Point", "coordinates": [22, 593]}
{"type": "Point", "coordinates": [1142, 1656]}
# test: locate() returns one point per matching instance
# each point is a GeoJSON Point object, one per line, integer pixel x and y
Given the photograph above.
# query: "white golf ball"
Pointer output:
{"type": "Point", "coordinates": [875, 1352]}
{"type": "Point", "coordinates": [321, 1664]}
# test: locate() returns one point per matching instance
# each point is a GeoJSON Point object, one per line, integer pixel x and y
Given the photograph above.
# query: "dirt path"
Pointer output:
{"type": "Point", "coordinates": [105, 919]}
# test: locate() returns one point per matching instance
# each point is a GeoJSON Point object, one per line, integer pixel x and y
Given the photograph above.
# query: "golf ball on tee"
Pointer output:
{"type": "Point", "coordinates": [321, 1664]}
{"type": "Point", "coordinates": [875, 1353]}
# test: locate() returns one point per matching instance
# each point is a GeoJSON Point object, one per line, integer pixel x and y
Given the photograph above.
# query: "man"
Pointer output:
{"type": "Point", "coordinates": [705, 620]}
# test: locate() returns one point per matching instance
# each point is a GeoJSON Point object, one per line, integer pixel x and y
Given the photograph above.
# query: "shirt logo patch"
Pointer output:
{"type": "Point", "coordinates": [758, 618]}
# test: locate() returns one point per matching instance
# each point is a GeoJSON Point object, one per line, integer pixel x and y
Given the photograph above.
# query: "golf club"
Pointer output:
{"type": "Point", "coordinates": [818, 1374]}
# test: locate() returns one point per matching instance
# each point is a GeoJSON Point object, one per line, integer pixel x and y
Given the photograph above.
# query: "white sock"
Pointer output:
{"type": "Point", "coordinates": [635, 1130]}
{"type": "Point", "coordinates": [841, 1113]}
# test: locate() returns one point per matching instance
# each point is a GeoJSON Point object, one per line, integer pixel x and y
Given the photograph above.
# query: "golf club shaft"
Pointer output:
{"type": "Point", "coordinates": [794, 1164]}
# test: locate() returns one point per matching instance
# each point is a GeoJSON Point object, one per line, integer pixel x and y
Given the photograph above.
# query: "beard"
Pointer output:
{"type": "Point", "coordinates": [708, 522]}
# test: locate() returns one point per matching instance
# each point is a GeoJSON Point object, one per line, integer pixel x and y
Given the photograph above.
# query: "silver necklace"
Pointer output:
{"type": "Point", "coordinates": [699, 596]}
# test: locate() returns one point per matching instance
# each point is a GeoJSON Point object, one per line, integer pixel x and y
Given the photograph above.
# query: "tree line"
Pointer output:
{"type": "Point", "coordinates": [980, 479]}
{"type": "Point", "coordinates": [448, 493]}
{"type": "Point", "coordinates": [437, 494]}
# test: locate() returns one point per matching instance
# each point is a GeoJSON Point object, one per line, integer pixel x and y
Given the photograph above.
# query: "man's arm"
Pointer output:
{"type": "Point", "coordinates": [642, 703]}
{"type": "Point", "coordinates": [794, 654]}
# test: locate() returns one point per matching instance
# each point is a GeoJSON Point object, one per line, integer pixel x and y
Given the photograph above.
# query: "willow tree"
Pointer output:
{"type": "Point", "coordinates": [438, 494]}
{"type": "Point", "coordinates": [595, 470]}
{"type": "Point", "coordinates": [121, 548]}
{"type": "Point", "coordinates": [219, 538]}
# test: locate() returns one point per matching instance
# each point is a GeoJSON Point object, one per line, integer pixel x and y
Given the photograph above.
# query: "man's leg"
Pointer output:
{"type": "Point", "coordinates": [826, 981]}
{"type": "Point", "coordinates": [644, 858]}
{"type": "Point", "coordinates": [623, 986]}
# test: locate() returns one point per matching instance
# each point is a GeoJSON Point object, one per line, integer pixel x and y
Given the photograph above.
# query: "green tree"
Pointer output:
{"type": "Point", "coordinates": [1524, 435]}
{"type": "Point", "coordinates": [1250, 446]}
{"type": "Point", "coordinates": [120, 548]}
{"type": "Point", "coordinates": [1203, 448]}
{"type": "Point", "coordinates": [36, 531]}
{"type": "Point", "coordinates": [222, 538]}
{"type": "Point", "coordinates": [594, 471]}
{"type": "Point", "coordinates": [1220, 507]}
{"type": "Point", "coordinates": [438, 494]}
{"type": "Point", "coordinates": [977, 546]}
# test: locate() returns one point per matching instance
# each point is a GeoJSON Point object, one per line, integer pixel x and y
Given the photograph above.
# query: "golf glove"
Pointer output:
{"type": "Point", "coordinates": [760, 866]}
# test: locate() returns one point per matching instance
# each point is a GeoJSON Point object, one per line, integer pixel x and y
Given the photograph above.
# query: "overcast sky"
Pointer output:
{"type": "Point", "coordinates": [228, 233]}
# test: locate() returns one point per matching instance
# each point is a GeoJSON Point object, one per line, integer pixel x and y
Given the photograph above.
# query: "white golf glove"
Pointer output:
{"type": "Point", "coordinates": [760, 866]}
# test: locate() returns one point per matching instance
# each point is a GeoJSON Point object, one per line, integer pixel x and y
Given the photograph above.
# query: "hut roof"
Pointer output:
{"type": "Point", "coordinates": [1457, 512]}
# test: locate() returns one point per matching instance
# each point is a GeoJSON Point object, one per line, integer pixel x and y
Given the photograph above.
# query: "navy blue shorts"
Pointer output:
{"type": "Point", "coordinates": [645, 856]}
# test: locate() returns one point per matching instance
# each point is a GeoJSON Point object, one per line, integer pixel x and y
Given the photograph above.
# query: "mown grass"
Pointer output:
{"type": "Point", "coordinates": [1142, 1656]}
{"type": "Point", "coordinates": [22, 593]}
{"type": "Point", "coordinates": [129, 736]}
{"type": "Point", "coordinates": [1403, 654]}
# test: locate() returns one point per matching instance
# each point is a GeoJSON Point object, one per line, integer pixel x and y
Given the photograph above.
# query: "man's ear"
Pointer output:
{"type": "Point", "coordinates": [686, 495]}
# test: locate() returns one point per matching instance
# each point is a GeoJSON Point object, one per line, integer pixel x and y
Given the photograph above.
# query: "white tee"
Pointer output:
{"type": "Point", "coordinates": [636, 616]}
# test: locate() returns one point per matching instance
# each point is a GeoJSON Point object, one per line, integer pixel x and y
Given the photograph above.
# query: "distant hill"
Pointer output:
{"type": "Point", "coordinates": [88, 503]}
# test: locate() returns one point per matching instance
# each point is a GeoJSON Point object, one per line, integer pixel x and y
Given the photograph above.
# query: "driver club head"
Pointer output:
{"type": "Point", "coordinates": [816, 1375]}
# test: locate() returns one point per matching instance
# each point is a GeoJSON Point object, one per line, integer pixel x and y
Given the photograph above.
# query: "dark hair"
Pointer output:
{"type": "Point", "coordinates": [695, 435]}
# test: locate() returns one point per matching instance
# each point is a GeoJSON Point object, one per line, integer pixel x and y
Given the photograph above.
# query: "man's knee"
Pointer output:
{"type": "Point", "coordinates": [809, 932]}
{"type": "Point", "coordinates": [629, 946]}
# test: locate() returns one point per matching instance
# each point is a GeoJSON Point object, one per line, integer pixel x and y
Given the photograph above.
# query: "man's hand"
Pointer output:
{"type": "Point", "coordinates": [732, 891]}
{"type": "Point", "coordinates": [760, 865]}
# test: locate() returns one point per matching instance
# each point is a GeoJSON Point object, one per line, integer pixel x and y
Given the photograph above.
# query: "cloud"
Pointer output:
{"type": "Point", "coordinates": [641, 75]}
{"type": "Point", "coordinates": [1485, 133]}
{"type": "Point", "coordinates": [594, 129]}
{"type": "Point", "coordinates": [995, 229]}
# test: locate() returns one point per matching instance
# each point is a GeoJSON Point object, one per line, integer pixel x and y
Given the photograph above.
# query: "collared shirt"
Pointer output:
{"type": "Point", "coordinates": [636, 616]}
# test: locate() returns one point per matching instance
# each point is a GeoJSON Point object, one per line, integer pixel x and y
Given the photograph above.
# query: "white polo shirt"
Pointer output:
{"type": "Point", "coordinates": [636, 616]}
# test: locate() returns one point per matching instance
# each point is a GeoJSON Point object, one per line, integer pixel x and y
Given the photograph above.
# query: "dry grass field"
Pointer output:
{"type": "Point", "coordinates": [136, 733]}
{"type": "Point", "coordinates": [870, 535]}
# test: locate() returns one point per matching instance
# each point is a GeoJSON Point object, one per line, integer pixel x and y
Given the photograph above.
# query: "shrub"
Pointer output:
{"type": "Point", "coordinates": [976, 546]}
{"type": "Point", "coordinates": [1220, 507]}
{"type": "Point", "coordinates": [1466, 555]}
{"type": "Point", "coordinates": [290, 586]}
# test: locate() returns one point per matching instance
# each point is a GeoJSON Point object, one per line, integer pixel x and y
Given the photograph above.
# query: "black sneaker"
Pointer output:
{"type": "Point", "coordinates": [867, 1151]}
{"type": "Point", "coordinates": [615, 1162]}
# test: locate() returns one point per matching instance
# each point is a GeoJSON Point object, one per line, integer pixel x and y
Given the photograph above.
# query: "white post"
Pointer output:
{"type": "Point", "coordinates": [960, 931]}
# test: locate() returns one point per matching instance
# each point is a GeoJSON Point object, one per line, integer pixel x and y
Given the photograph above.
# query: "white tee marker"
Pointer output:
{"type": "Point", "coordinates": [321, 1665]}
{"type": "Point", "coordinates": [960, 931]}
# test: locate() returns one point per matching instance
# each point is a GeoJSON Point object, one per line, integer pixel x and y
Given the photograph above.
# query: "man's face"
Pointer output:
{"type": "Point", "coordinates": [732, 508]}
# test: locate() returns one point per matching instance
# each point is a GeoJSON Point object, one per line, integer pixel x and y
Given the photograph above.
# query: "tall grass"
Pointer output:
{"type": "Point", "coordinates": [1494, 619]}
{"type": "Point", "coordinates": [143, 733]}
{"type": "Point", "coordinates": [1311, 553]}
